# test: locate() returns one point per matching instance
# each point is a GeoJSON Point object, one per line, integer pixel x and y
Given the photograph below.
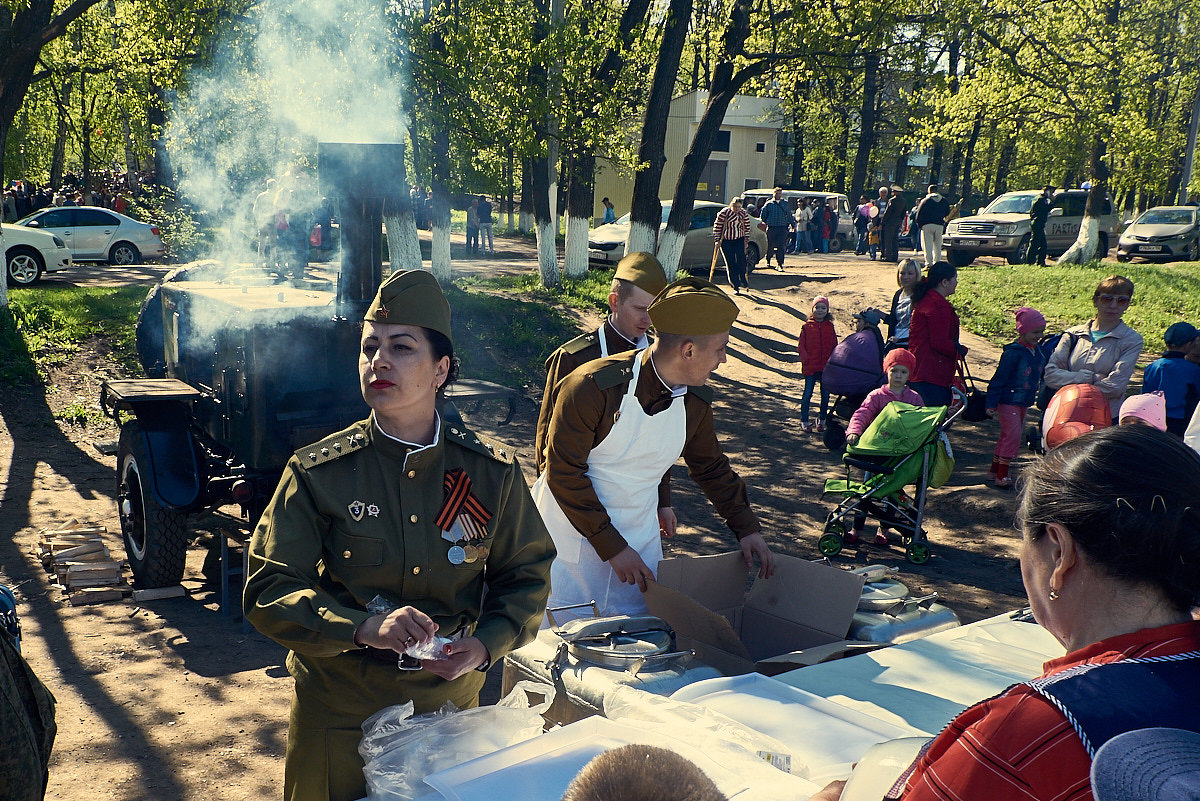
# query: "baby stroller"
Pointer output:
{"type": "Point", "coordinates": [905, 445]}
{"type": "Point", "coordinates": [856, 366]}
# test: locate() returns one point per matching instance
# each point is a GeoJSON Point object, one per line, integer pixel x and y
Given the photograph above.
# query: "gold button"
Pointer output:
{"type": "Point", "coordinates": [412, 473]}
{"type": "Point", "coordinates": [346, 554]}
{"type": "Point", "coordinates": [417, 570]}
{"type": "Point", "coordinates": [412, 518]}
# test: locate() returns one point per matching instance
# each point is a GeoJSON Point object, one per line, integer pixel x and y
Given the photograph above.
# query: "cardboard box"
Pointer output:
{"type": "Point", "coordinates": [799, 616]}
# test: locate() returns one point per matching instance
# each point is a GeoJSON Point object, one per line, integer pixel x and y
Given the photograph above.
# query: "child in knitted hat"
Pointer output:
{"type": "Point", "coordinates": [898, 366]}
{"type": "Point", "coordinates": [1013, 389]}
{"type": "Point", "coordinates": [815, 345]}
{"type": "Point", "coordinates": [1148, 408]}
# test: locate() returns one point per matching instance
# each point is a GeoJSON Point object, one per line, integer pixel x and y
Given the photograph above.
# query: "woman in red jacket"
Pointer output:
{"type": "Point", "coordinates": [933, 335]}
{"type": "Point", "coordinates": [815, 346]}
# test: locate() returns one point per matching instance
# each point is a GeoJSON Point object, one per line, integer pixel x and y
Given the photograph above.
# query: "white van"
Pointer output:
{"type": "Point", "coordinates": [845, 231]}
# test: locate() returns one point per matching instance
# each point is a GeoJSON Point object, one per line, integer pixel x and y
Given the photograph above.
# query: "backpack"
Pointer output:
{"type": "Point", "coordinates": [1046, 347]}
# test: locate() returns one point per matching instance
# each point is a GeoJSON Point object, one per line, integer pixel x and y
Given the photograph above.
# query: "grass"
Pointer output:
{"type": "Point", "coordinates": [988, 295]}
{"type": "Point", "coordinates": [44, 326]}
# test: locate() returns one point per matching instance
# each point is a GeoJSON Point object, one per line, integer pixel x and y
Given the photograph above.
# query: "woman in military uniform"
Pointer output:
{"type": "Point", "coordinates": [426, 523]}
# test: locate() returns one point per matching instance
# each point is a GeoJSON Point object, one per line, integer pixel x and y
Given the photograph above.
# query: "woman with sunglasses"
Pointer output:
{"type": "Point", "coordinates": [1102, 351]}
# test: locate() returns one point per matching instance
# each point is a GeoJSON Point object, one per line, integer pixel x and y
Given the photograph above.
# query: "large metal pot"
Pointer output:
{"type": "Point", "coordinates": [634, 643]}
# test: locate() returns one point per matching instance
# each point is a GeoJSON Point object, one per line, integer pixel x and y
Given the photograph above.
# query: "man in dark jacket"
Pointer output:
{"type": "Point", "coordinates": [893, 216]}
{"type": "Point", "coordinates": [931, 221]}
{"type": "Point", "coordinates": [1037, 227]}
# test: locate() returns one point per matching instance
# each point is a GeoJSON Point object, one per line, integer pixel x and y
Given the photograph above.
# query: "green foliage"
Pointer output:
{"type": "Point", "coordinates": [43, 327]}
{"type": "Point", "coordinates": [988, 295]}
{"type": "Point", "coordinates": [180, 225]}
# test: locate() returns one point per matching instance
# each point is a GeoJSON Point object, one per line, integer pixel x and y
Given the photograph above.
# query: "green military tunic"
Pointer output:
{"type": "Point", "coordinates": [352, 519]}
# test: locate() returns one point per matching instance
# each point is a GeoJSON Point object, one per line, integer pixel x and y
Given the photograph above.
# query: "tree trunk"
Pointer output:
{"type": "Point", "coordinates": [902, 169]}
{"type": "Point", "coordinates": [969, 159]}
{"type": "Point", "coordinates": [725, 86]}
{"type": "Point", "coordinates": [526, 216]}
{"type": "Point", "coordinates": [510, 183]}
{"type": "Point", "coordinates": [1004, 164]}
{"type": "Point", "coordinates": [59, 156]}
{"type": "Point", "coordinates": [645, 208]}
{"type": "Point", "coordinates": [866, 133]}
{"type": "Point", "coordinates": [580, 198]}
{"type": "Point", "coordinates": [797, 153]}
{"type": "Point", "coordinates": [400, 223]}
{"type": "Point", "coordinates": [156, 117]}
{"type": "Point", "coordinates": [439, 170]}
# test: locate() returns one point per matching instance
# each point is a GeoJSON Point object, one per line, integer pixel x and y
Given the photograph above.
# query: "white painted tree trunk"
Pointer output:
{"type": "Point", "coordinates": [547, 253]}
{"type": "Point", "coordinates": [4, 281]}
{"type": "Point", "coordinates": [439, 256]}
{"type": "Point", "coordinates": [642, 238]}
{"type": "Point", "coordinates": [526, 222]}
{"type": "Point", "coordinates": [670, 248]}
{"type": "Point", "coordinates": [575, 255]}
{"type": "Point", "coordinates": [1086, 243]}
{"type": "Point", "coordinates": [404, 247]}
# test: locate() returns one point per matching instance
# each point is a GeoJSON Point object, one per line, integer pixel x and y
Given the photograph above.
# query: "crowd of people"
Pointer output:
{"type": "Point", "coordinates": [108, 189]}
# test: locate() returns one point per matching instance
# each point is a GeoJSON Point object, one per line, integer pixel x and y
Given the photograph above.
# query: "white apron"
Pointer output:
{"type": "Point", "coordinates": [641, 344]}
{"type": "Point", "coordinates": [625, 470]}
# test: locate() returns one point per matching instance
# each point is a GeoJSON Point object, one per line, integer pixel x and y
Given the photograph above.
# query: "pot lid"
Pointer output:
{"type": "Point", "coordinates": [882, 592]}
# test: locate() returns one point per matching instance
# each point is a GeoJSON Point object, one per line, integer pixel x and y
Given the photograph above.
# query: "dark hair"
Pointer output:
{"type": "Point", "coordinates": [938, 272]}
{"type": "Point", "coordinates": [1140, 526]}
{"type": "Point", "coordinates": [441, 346]}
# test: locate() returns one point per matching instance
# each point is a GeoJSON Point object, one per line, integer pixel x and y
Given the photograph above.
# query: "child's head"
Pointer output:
{"type": "Point", "coordinates": [1181, 336]}
{"type": "Point", "coordinates": [1031, 324]}
{"type": "Point", "coordinates": [867, 318]}
{"type": "Point", "coordinates": [1147, 409]}
{"type": "Point", "coordinates": [820, 307]}
{"type": "Point", "coordinates": [898, 366]}
{"type": "Point", "coordinates": [642, 773]}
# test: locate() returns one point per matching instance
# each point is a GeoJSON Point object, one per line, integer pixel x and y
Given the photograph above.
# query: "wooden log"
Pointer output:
{"type": "Point", "coordinates": [95, 595]}
{"type": "Point", "coordinates": [155, 593]}
{"type": "Point", "coordinates": [78, 551]}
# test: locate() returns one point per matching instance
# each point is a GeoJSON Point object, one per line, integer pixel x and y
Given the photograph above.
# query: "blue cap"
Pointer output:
{"type": "Point", "coordinates": [1180, 334]}
{"type": "Point", "coordinates": [1148, 765]}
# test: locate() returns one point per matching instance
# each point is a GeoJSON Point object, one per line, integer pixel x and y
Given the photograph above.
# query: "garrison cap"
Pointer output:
{"type": "Point", "coordinates": [411, 297]}
{"type": "Point", "coordinates": [692, 307]}
{"type": "Point", "coordinates": [643, 271]}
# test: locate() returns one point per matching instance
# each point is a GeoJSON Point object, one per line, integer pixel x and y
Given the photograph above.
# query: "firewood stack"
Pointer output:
{"type": "Point", "coordinates": [82, 564]}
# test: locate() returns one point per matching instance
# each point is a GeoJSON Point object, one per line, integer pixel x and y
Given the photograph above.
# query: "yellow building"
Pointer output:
{"type": "Point", "coordinates": [743, 155]}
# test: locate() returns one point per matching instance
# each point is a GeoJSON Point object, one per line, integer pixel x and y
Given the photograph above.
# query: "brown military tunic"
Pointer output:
{"type": "Point", "coordinates": [584, 414]}
{"type": "Point", "coordinates": [579, 351]}
{"type": "Point", "coordinates": [352, 519]}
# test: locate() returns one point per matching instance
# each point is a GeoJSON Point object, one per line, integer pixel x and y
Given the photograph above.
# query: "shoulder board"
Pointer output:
{"type": "Point", "coordinates": [613, 374]}
{"type": "Point", "coordinates": [494, 448]}
{"type": "Point", "coordinates": [581, 342]}
{"type": "Point", "coordinates": [704, 393]}
{"type": "Point", "coordinates": [333, 447]}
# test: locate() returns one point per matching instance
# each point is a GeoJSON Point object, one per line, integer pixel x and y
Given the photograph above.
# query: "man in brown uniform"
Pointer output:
{"type": "Point", "coordinates": [637, 279]}
{"type": "Point", "coordinates": [618, 424]}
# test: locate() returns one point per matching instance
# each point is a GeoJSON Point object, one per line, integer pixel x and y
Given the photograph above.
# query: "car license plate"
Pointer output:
{"type": "Point", "coordinates": [1150, 248]}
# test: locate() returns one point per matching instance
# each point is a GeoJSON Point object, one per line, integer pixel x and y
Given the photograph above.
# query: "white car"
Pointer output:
{"type": "Point", "coordinates": [606, 244]}
{"type": "Point", "coordinates": [28, 253]}
{"type": "Point", "coordinates": [93, 233]}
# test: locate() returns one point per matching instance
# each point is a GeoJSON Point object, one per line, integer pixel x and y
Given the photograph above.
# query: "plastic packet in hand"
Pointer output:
{"type": "Point", "coordinates": [433, 649]}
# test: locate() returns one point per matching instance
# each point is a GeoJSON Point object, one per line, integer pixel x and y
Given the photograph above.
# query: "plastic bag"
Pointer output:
{"type": "Point", "coordinates": [401, 750]}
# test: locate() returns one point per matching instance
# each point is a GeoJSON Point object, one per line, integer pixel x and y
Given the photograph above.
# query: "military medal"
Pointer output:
{"type": "Point", "coordinates": [471, 552]}
{"type": "Point", "coordinates": [456, 555]}
{"type": "Point", "coordinates": [462, 519]}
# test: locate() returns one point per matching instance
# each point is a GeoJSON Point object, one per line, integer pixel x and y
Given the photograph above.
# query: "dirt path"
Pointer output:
{"type": "Point", "coordinates": [174, 700]}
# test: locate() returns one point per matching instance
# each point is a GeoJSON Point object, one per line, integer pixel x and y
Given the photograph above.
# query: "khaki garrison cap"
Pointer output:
{"type": "Point", "coordinates": [643, 271]}
{"type": "Point", "coordinates": [692, 307]}
{"type": "Point", "coordinates": [411, 297]}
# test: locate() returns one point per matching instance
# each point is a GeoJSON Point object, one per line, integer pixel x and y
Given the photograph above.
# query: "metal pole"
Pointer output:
{"type": "Point", "coordinates": [1189, 152]}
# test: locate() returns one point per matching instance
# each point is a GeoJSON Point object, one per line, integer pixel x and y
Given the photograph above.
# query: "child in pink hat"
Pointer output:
{"type": "Point", "coordinates": [1148, 408]}
{"type": "Point", "coordinates": [1013, 389]}
{"type": "Point", "coordinates": [815, 345]}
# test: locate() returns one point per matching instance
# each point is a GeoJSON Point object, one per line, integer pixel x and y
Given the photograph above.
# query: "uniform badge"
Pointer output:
{"type": "Point", "coordinates": [356, 509]}
{"type": "Point", "coordinates": [373, 510]}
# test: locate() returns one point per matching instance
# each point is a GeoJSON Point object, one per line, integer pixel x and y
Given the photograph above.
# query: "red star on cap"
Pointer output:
{"type": "Point", "coordinates": [382, 312]}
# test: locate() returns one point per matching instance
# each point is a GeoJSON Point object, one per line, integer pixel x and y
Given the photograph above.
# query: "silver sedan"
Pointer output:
{"type": "Point", "coordinates": [1163, 232]}
{"type": "Point", "coordinates": [93, 233]}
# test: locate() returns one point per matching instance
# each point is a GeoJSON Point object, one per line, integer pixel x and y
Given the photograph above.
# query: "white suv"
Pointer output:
{"type": "Point", "coordinates": [1003, 228]}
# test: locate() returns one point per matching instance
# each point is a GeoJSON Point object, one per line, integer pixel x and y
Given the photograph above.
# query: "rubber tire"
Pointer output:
{"type": "Point", "coordinates": [1019, 255]}
{"type": "Point", "coordinates": [917, 552]}
{"type": "Point", "coordinates": [829, 544]}
{"type": "Point", "coordinates": [155, 537]}
{"type": "Point", "coordinates": [1122, 259]}
{"type": "Point", "coordinates": [23, 259]}
{"type": "Point", "coordinates": [752, 256]}
{"type": "Point", "coordinates": [1193, 251]}
{"type": "Point", "coordinates": [959, 258]}
{"type": "Point", "coordinates": [123, 254]}
{"type": "Point", "coordinates": [836, 245]}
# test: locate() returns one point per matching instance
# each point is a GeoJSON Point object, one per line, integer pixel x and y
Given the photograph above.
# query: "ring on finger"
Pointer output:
{"type": "Point", "coordinates": [408, 643]}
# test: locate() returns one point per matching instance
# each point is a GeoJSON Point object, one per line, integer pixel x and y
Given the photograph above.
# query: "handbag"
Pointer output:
{"type": "Point", "coordinates": [976, 407]}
